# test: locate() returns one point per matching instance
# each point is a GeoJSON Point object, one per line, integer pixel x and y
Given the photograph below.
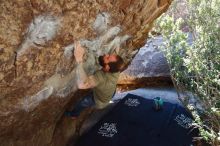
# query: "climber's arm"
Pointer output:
{"type": "Point", "coordinates": [83, 80]}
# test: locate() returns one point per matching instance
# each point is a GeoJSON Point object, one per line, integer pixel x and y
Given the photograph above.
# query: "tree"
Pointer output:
{"type": "Point", "coordinates": [195, 66]}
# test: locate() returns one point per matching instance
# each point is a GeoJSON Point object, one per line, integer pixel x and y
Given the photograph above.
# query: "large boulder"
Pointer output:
{"type": "Point", "coordinates": [148, 68]}
{"type": "Point", "coordinates": [37, 68]}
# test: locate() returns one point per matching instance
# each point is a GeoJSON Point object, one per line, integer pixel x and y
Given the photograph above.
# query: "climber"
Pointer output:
{"type": "Point", "coordinates": [103, 82]}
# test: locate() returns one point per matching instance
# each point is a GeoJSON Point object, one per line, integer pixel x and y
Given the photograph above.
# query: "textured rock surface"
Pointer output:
{"type": "Point", "coordinates": [149, 67]}
{"type": "Point", "coordinates": [37, 76]}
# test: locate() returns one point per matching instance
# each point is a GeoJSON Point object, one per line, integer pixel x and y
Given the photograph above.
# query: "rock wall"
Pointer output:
{"type": "Point", "coordinates": [37, 67]}
{"type": "Point", "coordinates": [149, 68]}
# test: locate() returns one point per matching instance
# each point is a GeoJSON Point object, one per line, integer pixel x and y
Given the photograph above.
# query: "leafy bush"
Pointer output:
{"type": "Point", "coordinates": [195, 65]}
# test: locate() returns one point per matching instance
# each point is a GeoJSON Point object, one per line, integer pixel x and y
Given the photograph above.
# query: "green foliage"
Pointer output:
{"type": "Point", "coordinates": [195, 66]}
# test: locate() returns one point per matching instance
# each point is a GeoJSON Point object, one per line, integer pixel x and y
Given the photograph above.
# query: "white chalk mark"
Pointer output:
{"type": "Point", "coordinates": [41, 30]}
{"type": "Point", "coordinates": [101, 23]}
{"type": "Point", "coordinates": [62, 85]}
{"type": "Point", "coordinates": [111, 33]}
{"type": "Point", "coordinates": [31, 102]}
{"type": "Point", "coordinates": [115, 45]}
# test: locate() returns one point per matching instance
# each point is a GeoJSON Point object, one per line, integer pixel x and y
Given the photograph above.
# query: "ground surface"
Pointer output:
{"type": "Point", "coordinates": [168, 94]}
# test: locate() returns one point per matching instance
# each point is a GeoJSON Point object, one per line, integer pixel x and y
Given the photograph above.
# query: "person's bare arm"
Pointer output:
{"type": "Point", "coordinates": [83, 80]}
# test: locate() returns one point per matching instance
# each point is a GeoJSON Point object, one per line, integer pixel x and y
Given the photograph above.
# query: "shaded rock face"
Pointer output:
{"type": "Point", "coordinates": [148, 68]}
{"type": "Point", "coordinates": [37, 67]}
